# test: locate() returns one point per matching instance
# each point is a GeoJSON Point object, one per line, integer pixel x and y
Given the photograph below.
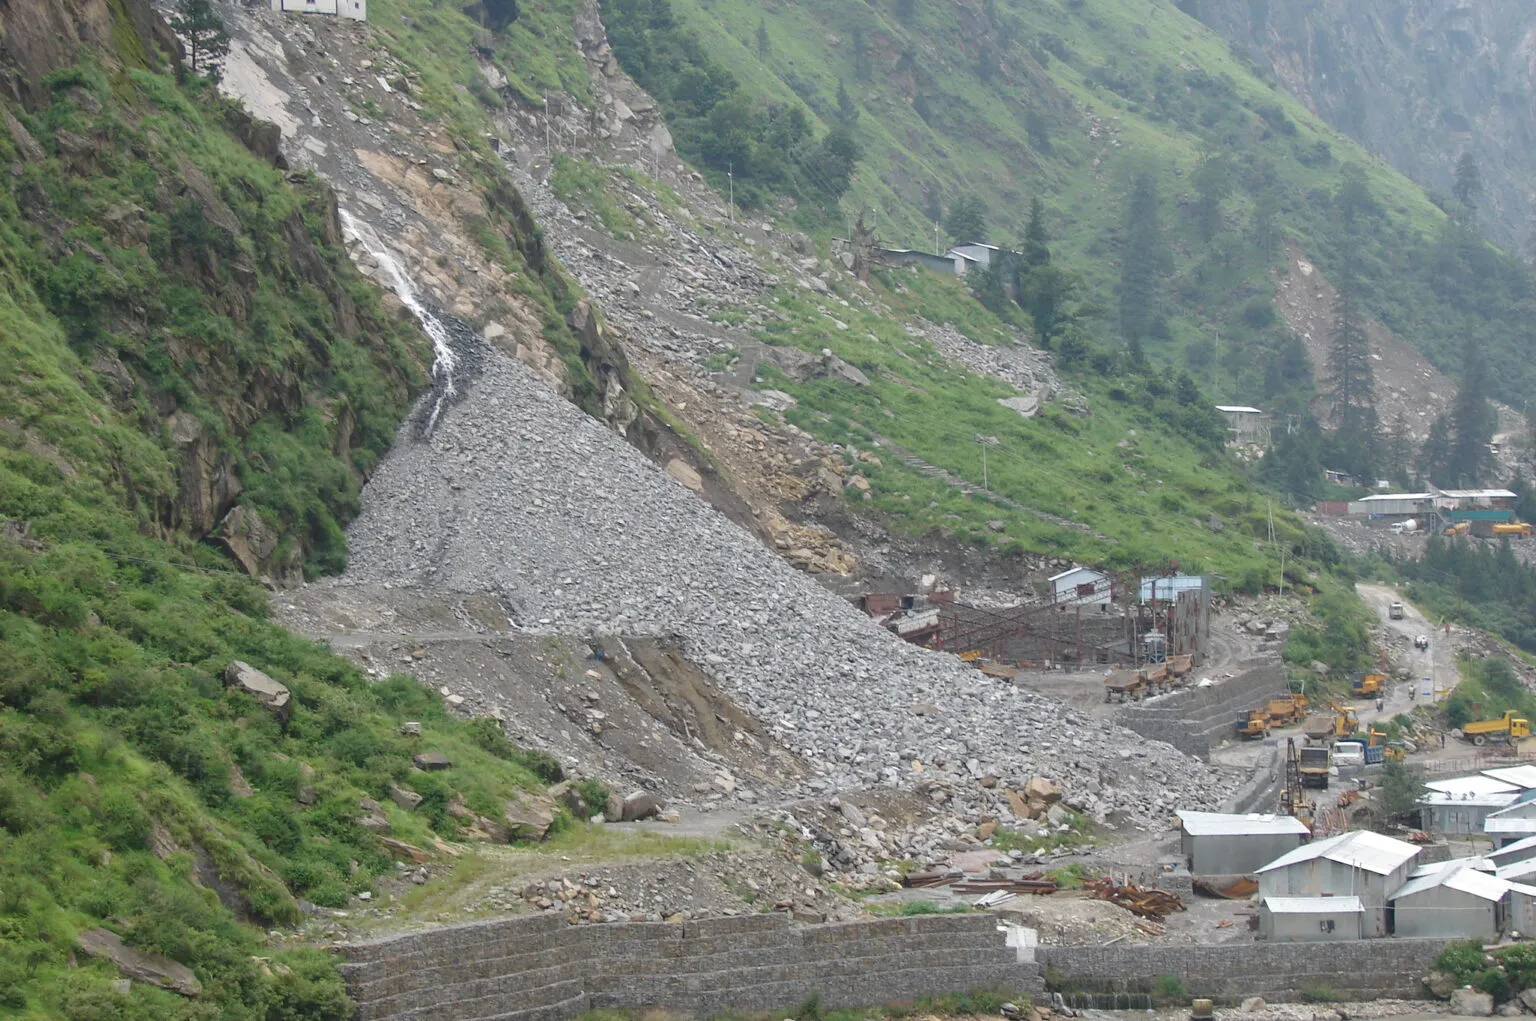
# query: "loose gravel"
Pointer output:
{"type": "Point", "coordinates": [519, 494]}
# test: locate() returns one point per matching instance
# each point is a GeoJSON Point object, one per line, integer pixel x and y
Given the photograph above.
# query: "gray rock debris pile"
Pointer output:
{"type": "Point", "coordinates": [519, 494]}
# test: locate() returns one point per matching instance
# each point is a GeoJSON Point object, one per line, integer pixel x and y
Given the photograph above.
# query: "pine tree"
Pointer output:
{"type": "Point", "coordinates": [763, 43]}
{"type": "Point", "coordinates": [1037, 250]}
{"type": "Point", "coordinates": [861, 61]}
{"type": "Point", "coordinates": [1435, 457]}
{"type": "Point", "coordinates": [1352, 385]}
{"type": "Point", "coordinates": [1469, 182]}
{"type": "Point", "coordinates": [1213, 183]}
{"type": "Point", "coordinates": [206, 38]}
{"type": "Point", "coordinates": [967, 220]}
{"type": "Point", "coordinates": [1472, 422]}
{"type": "Point", "coordinates": [1142, 256]}
{"type": "Point", "coordinates": [847, 110]}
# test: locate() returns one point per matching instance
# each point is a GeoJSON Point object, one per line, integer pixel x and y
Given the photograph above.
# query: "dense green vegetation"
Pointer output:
{"type": "Point", "coordinates": [1513, 967]}
{"type": "Point", "coordinates": [1488, 689]}
{"type": "Point", "coordinates": [1481, 584]}
{"type": "Point", "coordinates": [161, 287]}
{"type": "Point", "coordinates": [1170, 176]}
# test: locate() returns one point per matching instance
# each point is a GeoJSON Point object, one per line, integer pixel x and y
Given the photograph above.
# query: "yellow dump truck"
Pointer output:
{"type": "Point", "coordinates": [1506, 728]}
{"type": "Point", "coordinates": [1253, 723]}
{"type": "Point", "coordinates": [1368, 685]}
{"type": "Point", "coordinates": [1286, 709]}
{"type": "Point", "coordinates": [1512, 528]}
{"type": "Point", "coordinates": [1314, 767]}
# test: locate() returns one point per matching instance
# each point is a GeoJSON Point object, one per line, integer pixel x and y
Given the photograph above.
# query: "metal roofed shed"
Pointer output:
{"type": "Point", "coordinates": [1518, 776]}
{"type": "Point", "coordinates": [1520, 850]}
{"type": "Point", "coordinates": [1430, 868]}
{"type": "Point", "coordinates": [1475, 784]}
{"type": "Point", "coordinates": [1311, 919]}
{"type": "Point", "coordinates": [1219, 844]}
{"type": "Point", "coordinates": [1460, 814]}
{"type": "Point", "coordinates": [1080, 586]}
{"type": "Point", "coordinates": [1170, 587]}
{"type": "Point", "coordinates": [1451, 903]}
{"type": "Point", "coordinates": [1356, 864]}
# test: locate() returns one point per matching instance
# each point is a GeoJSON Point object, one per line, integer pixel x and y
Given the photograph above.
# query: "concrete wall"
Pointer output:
{"type": "Point", "coordinates": [1363, 970]}
{"type": "Point", "coordinates": [540, 969]}
{"type": "Point", "coordinates": [1191, 718]}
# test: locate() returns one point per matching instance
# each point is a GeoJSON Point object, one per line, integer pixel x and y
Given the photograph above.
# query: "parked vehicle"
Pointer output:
{"type": "Point", "coordinates": [1505, 728]}
{"type": "Point", "coordinates": [1395, 611]}
{"type": "Point", "coordinates": [1512, 528]}
{"type": "Point", "coordinates": [1368, 685]}
{"type": "Point", "coordinates": [1348, 753]}
{"type": "Point", "coordinates": [1421, 642]}
{"type": "Point", "coordinates": [1286, 709]}
{"type": "Point", "coordinates": [1314, 767]}
{"type": "Point", "coordinates": [1253, 724]}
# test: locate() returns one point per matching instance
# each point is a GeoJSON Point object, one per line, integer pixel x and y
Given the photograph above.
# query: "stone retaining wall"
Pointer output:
{"type": "Point", "coordinates": [1360, 970]}
{"type": "Point", "coordinates": [540, 969]}
{"type": "Point", "coordinates": [1189, 718]}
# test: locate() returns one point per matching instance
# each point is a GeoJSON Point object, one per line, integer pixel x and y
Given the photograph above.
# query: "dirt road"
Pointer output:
{"type": "Point", "coordinates": [1437, 662]}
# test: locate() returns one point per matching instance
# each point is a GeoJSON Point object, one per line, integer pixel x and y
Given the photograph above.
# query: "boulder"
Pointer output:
{"type": "Point", "coordinates": [1468, 1002]}
{"type": "Point", "coordinates": [373, 818]}
{"type": "Point", "coordinates": [259, 686]}
{"type": "Point", "coordinates": [529, 816]}
{"type": "Point", "coordinates": [683, 472]}
{"type": "Point", "coordinates": [1439, 984]}
{"type": "Point", "coordinates": [1252, 1005]}
{"type": "Point", "coordinates": [1511, 1009]}
{"type": "Point", "coordinates": [638, 805]}
{"type": "Point", "coordinates": [1041, 789]}
{"type": "Point", "coordinates": [402, 851]}
{"type": "Point", "coordinates": [429, 761]}
{"type": "Point", "coordinates": [137, 964]}
{"type": "Point", "coordinates": [1527, 999]}
{"type": "Point", "coordinates": [410, 729]}
{"type": "Point", "coordinates": [405, 798]}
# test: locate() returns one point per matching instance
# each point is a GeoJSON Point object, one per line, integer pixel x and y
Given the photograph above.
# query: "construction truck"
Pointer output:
{"type": "Point", "coordinates": [1313, 767]}
{"type": "Point", "coordinates": [1286, 709]}
{"type": "Point", "coordinates": [1367, 685]}
{"type": "Point", "coordinates": [1506, 728]}
{"type": "Point", "coordinates": [1395, 611]}
{"type": "Point", "coordinates": [1512, 528]}
{"type": "Point", "coordinates": [1459, 528]}
{"type": "Point", "coordinates": [1253, 724]}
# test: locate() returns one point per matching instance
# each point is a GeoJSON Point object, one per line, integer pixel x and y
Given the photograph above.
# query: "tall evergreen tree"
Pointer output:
{"type": "Point", "coordinates": [861, 59]}
{"type": "Point", "coordinates": [1352, 385]}
{"type": "Point", "coordinates": [1435, 456]}
{"type": "Point", "coordinates": [206, 38]}
{"type": "Point", "coordinates": [1213, 183]}
{"type": "Point", "coordinates": [847, 110]}
{"type": "Point", "coordinates": [1037, 251]}
{"type": "Point", "coordinates": [764, 44]}
{"type": "Point", "coordinates": [1142, 257]}
{"type": "Point", "coordinates": [967, 220]}
{"type": "Point", "coordinates": [1472, 422]}
{"type": "Point", "coordinates": [1469, 182]}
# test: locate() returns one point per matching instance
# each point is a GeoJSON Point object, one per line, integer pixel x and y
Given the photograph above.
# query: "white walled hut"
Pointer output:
{"type": "Point", "coordinates": [1460, 814]}
{"type": "Point", "coordinates": [1080, 586]}
{"type": "Point", "coordinates": [1310, 919]}
{"type": "Point", "coordinates": [1357, 864]}
{"type": "Point", "coordinates": [1510, 854]}
{"type": "Point", "coordinates": [1219, 844]}
{"type": "Point", "coordinates": [1451, 903]}
{"type": "Point", "coordinates": [357, 10]}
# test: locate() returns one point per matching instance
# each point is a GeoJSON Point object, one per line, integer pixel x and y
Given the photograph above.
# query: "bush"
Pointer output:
{"type": "Point", "coordinates": [1318, 992]}
{"type": "Point", "coordinates": [1169, 989]}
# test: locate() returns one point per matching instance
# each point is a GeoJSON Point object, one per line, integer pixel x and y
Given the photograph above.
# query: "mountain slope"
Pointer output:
{"type": "Point", "coordinates": [1418, 82]}
{"type": "Point", "coordinates": [195, 381]}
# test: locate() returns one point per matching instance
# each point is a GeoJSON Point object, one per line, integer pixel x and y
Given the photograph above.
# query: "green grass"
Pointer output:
{"type": "Point", "coordinates": [1079, 831]}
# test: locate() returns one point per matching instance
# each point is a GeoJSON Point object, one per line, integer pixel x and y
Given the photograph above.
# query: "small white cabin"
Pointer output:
{"type": "Point", "coordinates": [357, 10]}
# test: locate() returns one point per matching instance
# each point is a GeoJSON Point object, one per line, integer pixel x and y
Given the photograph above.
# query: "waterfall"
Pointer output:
{"type": "Point", "coordinates": [444, 360]}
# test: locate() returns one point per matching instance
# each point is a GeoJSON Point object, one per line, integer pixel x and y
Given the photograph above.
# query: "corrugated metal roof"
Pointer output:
{"type": "Point", "coordinates": [1518, 851]}
{"type": "Point", "coordinates": [1478, 494]}
{"type": "Point", "coordinates": [1359, 849]}
{"type": "Point", "coordinates": [1493, 826]}
{"type": "Point", "coordinates": [1475, 784]}
{"type": "Point", "coordinates": [1074, 570]}
{"type": "Point", "coordinates": [1523, 807]}
{"type": "Point", "coordinates": [1440, 799]}
{"type": "Point", "coordinates": [1208, 824]}
{"type": "Point", "coordinates": [1313, 905]}
{"type": "Point", "coordinates": [1378, 497]}
{"type": "Point", "coordinates": [1520, 776]}
{"type": "Point", "coordinates": [1239, 407]}
{"type": "Point", "coordinates": [1518, 869]}
{"type": "Point", "coordinates": [1468, 881]}
{"type": "Point", "coordinates": [1430, 868]}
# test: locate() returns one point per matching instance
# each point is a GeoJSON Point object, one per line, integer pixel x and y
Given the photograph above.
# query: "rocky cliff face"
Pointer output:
{"type": "Point", "coordinates": [1418, 81]}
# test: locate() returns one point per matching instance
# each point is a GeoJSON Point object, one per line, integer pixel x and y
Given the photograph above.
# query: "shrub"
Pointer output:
{"type": "Point", "coordinates": [1169, 989]}
{"type": "Point", "coordinates": [1318, 992]}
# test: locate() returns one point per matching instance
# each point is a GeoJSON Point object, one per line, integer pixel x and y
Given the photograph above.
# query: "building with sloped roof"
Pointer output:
{"type": "Point", "coordinates": [1451, 903]}
{"type": "Point", "coordinates": [1219, 844]}
{"type": "Point", "coordinates": [1310, 919]}
{"type": "Point", "coordinates": [1356, 864]}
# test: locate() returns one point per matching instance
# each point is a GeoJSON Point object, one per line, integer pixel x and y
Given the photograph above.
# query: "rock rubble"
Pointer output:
{"type": "Point", "coordinates": [520, 495]}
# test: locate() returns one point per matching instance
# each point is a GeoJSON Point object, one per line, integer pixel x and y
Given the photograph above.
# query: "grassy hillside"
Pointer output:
{"type": "Point", "coordinates": [182, 334]}
{"type": "Point", "coordinates": [1067, 100]}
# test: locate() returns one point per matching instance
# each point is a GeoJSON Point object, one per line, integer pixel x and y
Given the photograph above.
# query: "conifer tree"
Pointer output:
{"type": "Point", "coordinates": [1469, 182]}
{"type": "Point", "coordinates": [1142, 256]}
{"type": "Point", "coordinates": [847, 110]}
{"type": "Point", "coordinates": [1472, 422]}
{"type": "Point", "coordinates": [763, 43]}
{"type": "Point", "coordinates": [206, 38]}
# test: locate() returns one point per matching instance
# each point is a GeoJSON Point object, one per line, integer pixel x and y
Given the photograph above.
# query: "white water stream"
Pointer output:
{"type": "Point", "coordinates": [444, 361]}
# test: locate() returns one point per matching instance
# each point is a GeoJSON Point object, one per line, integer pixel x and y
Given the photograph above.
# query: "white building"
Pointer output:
{"type": "Point", "coordinates": [1392, 505]}
{"type": "Point", "coordinates": [1522, 777]}
{"type": "Point", "coordinates": [975, 253]}
{"type": "Point", "coordinates": [1357, 864]}
{"type": "Point", "coordinates": [1448, 903]}
{"type": "Point", "coordinates": [1460, 814]}
{"type": "Point", "coordinates": [1310, 919]}
{"type": "Point", "coordinates": [1516, 822]}
{"type": "Point", "coordinates": [1218, 844]}
{"type": "Point", "coordinates": [1080, 586]}
{"type": "Point", "coordinates": [1518, 851]}
{"type": "Point", "coordinates": [357, 10]}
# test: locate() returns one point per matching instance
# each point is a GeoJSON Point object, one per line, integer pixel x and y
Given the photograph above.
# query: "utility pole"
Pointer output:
{"type": "Point", "coordinates": [546, 122]}
{"type": "Point", "coordinates": [730, 177]}
{"type": "Point", "coordinates": [985, 441]}
{"type": "Point", "coordinates": [936, 238]}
